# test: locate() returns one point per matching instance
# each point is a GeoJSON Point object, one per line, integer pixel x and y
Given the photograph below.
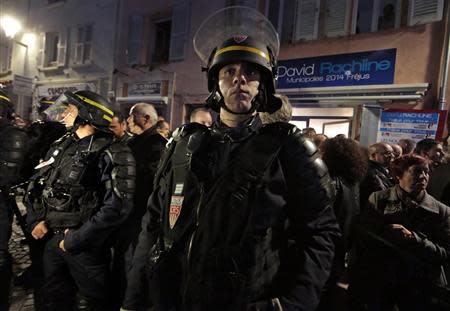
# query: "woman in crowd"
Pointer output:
{"type": "Point", "coordinates": [402, 240]}
{"type": "Point", "coordinates": [347, 164]}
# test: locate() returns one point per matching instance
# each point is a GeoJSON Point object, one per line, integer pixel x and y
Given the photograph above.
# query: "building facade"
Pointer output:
{"type": "Point", "coordinates": [342, 63]}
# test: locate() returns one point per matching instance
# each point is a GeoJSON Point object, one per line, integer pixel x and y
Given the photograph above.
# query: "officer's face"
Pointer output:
{"type": "Point", "coordinates": [69, 115]}
{"type": "Point", "coordinates": [239, 84]}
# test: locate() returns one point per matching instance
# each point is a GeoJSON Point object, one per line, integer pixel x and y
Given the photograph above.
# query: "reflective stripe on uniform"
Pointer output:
{"type": "Point", "coordinates": [108, 118]}
{"type": "Point", "coordinates": [242, 48]}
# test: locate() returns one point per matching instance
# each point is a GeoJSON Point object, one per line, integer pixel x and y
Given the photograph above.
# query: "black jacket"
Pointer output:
{"type": "Point", "coordinates": [147, 149]}
{"type": "Point", "coordinates": [386, 265]}
{"type": "Point", "coordinates": [439, 185]}
{"type": "Point", "coordinates": [377, 178]}
{"type": "Point", "coordinates": [97, 176]}
{"type": "Point", "coordinates": [13, 149]}
{"type": "Point", "coordinates": [232, 236]}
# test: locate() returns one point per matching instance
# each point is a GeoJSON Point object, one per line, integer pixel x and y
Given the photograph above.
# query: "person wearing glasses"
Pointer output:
{"type": "Point", "coordinates": [378, 177]}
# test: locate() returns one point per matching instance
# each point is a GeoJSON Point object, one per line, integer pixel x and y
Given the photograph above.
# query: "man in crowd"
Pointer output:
{"type": "Point", "coordinates": [147, 146]}
{"type": "Point", "coordinates": [81, 193]}
{"type": "Point", "coordinates": [202, 116]}
{"type": "Point", "coordinates": [398, 151]}
{"type": "Point", "coordinates": [377, 178]}
{"type": "Point", "coordinates": [240, 217]}
{"type": "Point", "coordinates": [407, 145]}
{"type": "Point", "coordinates": [163, 128]}
{"type": "Point", "coordinates": [430, 150]}
{"type": "Point", "coordinates": [118, 127]}
{"type": "Point", "coordinates": [13, 148]}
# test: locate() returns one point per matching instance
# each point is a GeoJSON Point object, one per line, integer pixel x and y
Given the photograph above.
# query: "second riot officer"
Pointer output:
{"type": "Point", "coordinates": [80, 195]}
{"type": "Point", "coordinates": [13, 147]}
{"type": "Point", "coordinates": [240, 217]}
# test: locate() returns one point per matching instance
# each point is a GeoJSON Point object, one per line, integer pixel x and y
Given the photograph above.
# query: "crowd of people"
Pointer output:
{"type": "Point", "coordinates": [244, 213]}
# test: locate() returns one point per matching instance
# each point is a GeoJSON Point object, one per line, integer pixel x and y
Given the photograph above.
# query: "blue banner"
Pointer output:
{"type": "Point", "coordinates": [364, 68]}
{"type": "Point", "coordinates": [395, 125]}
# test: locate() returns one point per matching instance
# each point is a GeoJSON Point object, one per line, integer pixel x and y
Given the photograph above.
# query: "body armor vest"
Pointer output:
{"type": "Point", "coordinates": [71, 180]}
{"type": "Point", "coordinates": [218, 242]}
{"type": "Point", "coordinates": [13, 148]}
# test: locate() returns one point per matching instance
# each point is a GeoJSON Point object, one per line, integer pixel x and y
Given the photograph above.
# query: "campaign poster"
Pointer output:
{"type": "Point", "coordinates": [415, 124]}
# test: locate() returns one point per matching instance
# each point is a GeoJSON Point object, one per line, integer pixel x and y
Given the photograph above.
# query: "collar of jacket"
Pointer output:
{"type": "Point", "coordinates": [429, 204]}
{"type": "Point", "coordinates": [241, 132]}
{"type": "Point", "coordinates": [150, 131]}
{"type": "Point", "coordinates": [378, 166]}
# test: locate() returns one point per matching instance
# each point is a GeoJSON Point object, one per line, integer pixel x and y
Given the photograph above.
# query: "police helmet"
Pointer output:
{"type": "Point", "coordinates": [92, 108]}
{"type": "Point", "coordinates": [6, 106]}
{"type": "Point", "coordinates": [45, 103]}
{"type": "Point", "coordinates": [239, 34]}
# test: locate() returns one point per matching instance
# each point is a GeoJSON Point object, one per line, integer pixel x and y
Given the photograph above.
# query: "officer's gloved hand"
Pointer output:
{"type": "Point", "coordinates": [265, 305]}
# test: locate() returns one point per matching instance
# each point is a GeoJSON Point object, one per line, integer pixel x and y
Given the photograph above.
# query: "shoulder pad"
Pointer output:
{"type": "Point", "coordinates": [124, 170]}
{"type": "Point", "coordinates": [279, 128]}
{"type": "Point", "coordinates": [100, 143]}
{"type": "Point", "coordinates": [187, 129]}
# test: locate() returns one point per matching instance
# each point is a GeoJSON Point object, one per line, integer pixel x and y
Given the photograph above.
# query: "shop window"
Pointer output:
{"type": "Point", "coordinates": [83, 45]}
{"type": "Point", "coordinates": [52, 49]}
{"type": "Point", "coordinates": [425, 11]}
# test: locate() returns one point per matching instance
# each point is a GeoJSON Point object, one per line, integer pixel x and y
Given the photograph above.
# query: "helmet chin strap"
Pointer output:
{"type": "Point", "coordinates": [252, 109]}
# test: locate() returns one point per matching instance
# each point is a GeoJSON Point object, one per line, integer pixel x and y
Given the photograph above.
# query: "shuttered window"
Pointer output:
{"type": "Point", "coordinates": [179, 30]}
{"type": "Point", "coordinates": [83, 46]}
{"type": "Point", "coordinates": [61, 58]}
{"type": "Point", "coordinates": [337, 17]}
{"type": "Point", "coordinates": [306, 20]}
{"type": "Point", "coordinates": [136, 23]}
{"type": "Point", "coordinates": [425, 11]}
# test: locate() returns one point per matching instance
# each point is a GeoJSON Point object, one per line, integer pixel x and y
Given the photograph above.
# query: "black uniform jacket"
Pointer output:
{"type": "Point", "coordinates": [98, 199]}
{"type": "Point", "coordinates": [233, 236]}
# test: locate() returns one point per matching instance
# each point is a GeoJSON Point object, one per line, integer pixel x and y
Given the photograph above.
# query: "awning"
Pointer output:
{"type": "Point", "coordinates": [150, 99]}
{"type": "Point", "coordinates": [359, 93]}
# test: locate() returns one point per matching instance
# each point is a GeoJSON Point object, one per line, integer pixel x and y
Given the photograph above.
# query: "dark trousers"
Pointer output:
{"type": "Point", "coordinates": [6, 218]}
{"type": "Point", "coordinates": [77, 281]}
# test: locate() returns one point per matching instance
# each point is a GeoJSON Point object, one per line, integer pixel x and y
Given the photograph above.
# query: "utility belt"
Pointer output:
{"type": "Point", "coordinates": [63, 209]}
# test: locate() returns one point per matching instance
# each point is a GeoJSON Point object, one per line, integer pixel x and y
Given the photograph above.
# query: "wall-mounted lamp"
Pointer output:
{"type": "Point", "coordinates": [11, 27]}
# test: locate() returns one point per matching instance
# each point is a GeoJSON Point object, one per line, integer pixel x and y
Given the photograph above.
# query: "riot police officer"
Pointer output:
{"type": "Point", "coordinates": [13, 142]}
{"type": "Point", "coordinates": [241, 217]}
{"type": "Point", "coordinates": [80, 195]}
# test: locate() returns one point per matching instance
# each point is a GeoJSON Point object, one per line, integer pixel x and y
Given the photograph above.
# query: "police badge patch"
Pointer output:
{"type": "Point", "coordinates": [176, 202]}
